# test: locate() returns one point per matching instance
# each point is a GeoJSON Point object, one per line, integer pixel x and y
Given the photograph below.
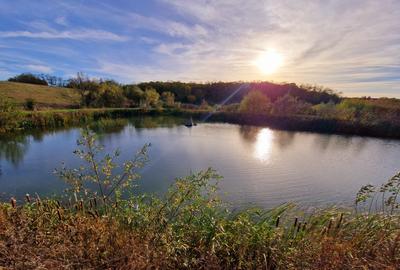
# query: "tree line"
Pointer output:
{"type": "Point", "coordinates": [109, 93]}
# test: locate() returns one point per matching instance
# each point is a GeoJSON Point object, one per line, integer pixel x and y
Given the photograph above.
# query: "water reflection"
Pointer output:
{"type": "Point", "coordinates": [263, 145]}
{"type": "Point", "coordinates": [14, 148]}
{"type": "Point", "coordinates": [249, 133]}
{"type": "Point", "coordinates": [262, 166]}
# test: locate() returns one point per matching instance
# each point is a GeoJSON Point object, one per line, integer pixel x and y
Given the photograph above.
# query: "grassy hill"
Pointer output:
{"type": "Point", "coordinates": [44, 96]}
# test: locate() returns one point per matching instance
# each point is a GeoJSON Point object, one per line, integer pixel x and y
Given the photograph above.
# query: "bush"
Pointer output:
{"type": "Point", "coordinates": [30, 104]}
{"type": "Point", "coordinates": [10, 116]}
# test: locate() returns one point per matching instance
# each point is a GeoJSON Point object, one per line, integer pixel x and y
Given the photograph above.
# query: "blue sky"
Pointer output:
{"type": "Point", "coordinates": [350, 46]}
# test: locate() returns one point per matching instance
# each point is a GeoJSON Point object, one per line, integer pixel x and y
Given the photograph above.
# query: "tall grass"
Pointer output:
{"type": "Point", "coordinates": [96, 227]}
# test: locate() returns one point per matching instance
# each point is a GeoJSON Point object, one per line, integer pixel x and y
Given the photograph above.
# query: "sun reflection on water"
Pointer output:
{"type": "Point", "coordinates": [263, 145]}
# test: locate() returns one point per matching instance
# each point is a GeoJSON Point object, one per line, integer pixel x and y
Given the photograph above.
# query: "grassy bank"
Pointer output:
{"type": "Point", "coordinates": [44, 96]}
{"type": "Point", "coordinates": [50, 119]}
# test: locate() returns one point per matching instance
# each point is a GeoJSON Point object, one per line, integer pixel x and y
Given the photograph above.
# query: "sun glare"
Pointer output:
{"type": "Point", "coordinates": [269, 61]}
{"type": "Point", "coordinates": [263, 144]}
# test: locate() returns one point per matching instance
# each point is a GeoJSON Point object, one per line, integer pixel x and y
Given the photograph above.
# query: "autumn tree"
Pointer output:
{"type": "Point", "coordinates": [87, 88]}
{"type": "Point", "coordinates": [151, 97]}
{"type": "Point", "coordinates": [255, 102]}
{"type": "Point", "coordinates": [168, 98]}
{"type": "Point", "coordinates": [289, 104]}
{"type": "Point", "coordinates": [133, 93]}
{"type": "Point", "coordinates": [110, 95]}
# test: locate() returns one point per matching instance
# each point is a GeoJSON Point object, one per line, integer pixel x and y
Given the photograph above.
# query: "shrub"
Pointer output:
{"type": "Point", "coordinates": [10, 116]}
{"type": "Point", "coordinates": [30, 104]}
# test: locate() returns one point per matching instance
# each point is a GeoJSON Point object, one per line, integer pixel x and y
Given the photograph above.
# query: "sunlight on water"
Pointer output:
{"type": "Point", "coordinates": [263, 145]}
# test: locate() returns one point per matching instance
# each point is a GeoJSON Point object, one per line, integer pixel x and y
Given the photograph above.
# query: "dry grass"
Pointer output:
{"type": "Point", "coordinates": [44, 96]}
{"type": "Point", "coordinates": [47, 236]}
{"type": "Point", "coordinates": [81, 242]}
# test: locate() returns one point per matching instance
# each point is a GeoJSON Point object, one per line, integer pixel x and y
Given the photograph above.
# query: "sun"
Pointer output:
{"type": "Point", "coordinates": [269, 61]}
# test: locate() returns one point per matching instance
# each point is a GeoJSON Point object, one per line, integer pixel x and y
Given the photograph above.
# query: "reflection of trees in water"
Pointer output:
{"type": "Point", "coordinates": [105, 128]}
{"type": "Point", "coordinates": [249, 133]}
{"type": "Point", "coordinates": [341, 142]}
{"type": "Point", "coordinates": [156, 121]}
{"type": "Point", "coordinates": [284, 139]}
{"type": "Point", "coordinates": [108, 126]}
{"type": "Point", "coordinates": [14, 148]}
{"type": "Point", "coordinates": [38, 136]}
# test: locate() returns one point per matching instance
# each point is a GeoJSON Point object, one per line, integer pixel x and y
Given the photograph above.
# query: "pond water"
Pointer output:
{"type": "Point", "coordinates": [260, 166]}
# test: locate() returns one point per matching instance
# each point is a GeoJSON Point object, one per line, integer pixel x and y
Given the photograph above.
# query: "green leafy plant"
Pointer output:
{"type": "Point", "coordinates": [109, 178]}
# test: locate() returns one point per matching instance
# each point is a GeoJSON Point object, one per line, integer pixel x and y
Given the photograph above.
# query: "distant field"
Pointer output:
{"type": "Point", "coordinates": [44, 96]}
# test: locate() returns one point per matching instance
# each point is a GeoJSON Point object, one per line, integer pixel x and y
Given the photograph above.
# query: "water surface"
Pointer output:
{"type": "Point", "coordinates": [260, 166]}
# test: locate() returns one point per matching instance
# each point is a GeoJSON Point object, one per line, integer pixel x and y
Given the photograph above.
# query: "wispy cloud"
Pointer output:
{"type": "Point", "coordinates": [82, 34]}
{"type": "Point", "coordinates": [61, 20]}
{"type": "Point", "coordinates": [39, 68]}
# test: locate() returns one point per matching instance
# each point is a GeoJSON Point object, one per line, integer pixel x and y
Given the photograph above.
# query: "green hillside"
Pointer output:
{"type": "Point", "coordinates": [44, 96]}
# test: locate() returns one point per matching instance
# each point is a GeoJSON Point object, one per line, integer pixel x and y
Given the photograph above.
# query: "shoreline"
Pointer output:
{"type": "Point", "coordinates": [39, 120]}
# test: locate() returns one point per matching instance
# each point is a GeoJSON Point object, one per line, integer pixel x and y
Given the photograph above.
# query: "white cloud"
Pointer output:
{"type": "Point", "coordinates": [39, 68]}
{"type": "Point", "coordinates": [61, 20]}
{"type": "Point", "coordinates": [82, 34]}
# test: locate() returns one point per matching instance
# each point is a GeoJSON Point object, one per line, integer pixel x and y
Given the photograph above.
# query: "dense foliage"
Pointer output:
{"type": "Point", "coordinates": [216, 93]}
{"type": "Point", "coordinates": [28, 78]}
{"type": "Point", "coordinates": [193, 93]}
{"type": "Point", "coordinates": [94, 227]}
{"type": "Point", "coordinates": [255, 102]}
{"type": "Point", "coordinates": [303, 107]}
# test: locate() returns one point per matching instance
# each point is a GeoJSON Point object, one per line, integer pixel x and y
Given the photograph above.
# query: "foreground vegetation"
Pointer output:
{"type": "Point", "coordinates": [100, 224]}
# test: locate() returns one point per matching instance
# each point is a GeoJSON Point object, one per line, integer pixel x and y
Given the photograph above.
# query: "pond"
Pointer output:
{"type": "Point", "coordinates": [260, 166]}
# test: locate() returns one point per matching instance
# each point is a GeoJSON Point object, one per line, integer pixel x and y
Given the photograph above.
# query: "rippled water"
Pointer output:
{"type": "Point", "coordinates": [260, 166]}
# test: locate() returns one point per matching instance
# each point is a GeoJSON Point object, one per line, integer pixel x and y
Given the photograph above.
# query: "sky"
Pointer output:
{"type": "Point", "coordinates": [351, 46]}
